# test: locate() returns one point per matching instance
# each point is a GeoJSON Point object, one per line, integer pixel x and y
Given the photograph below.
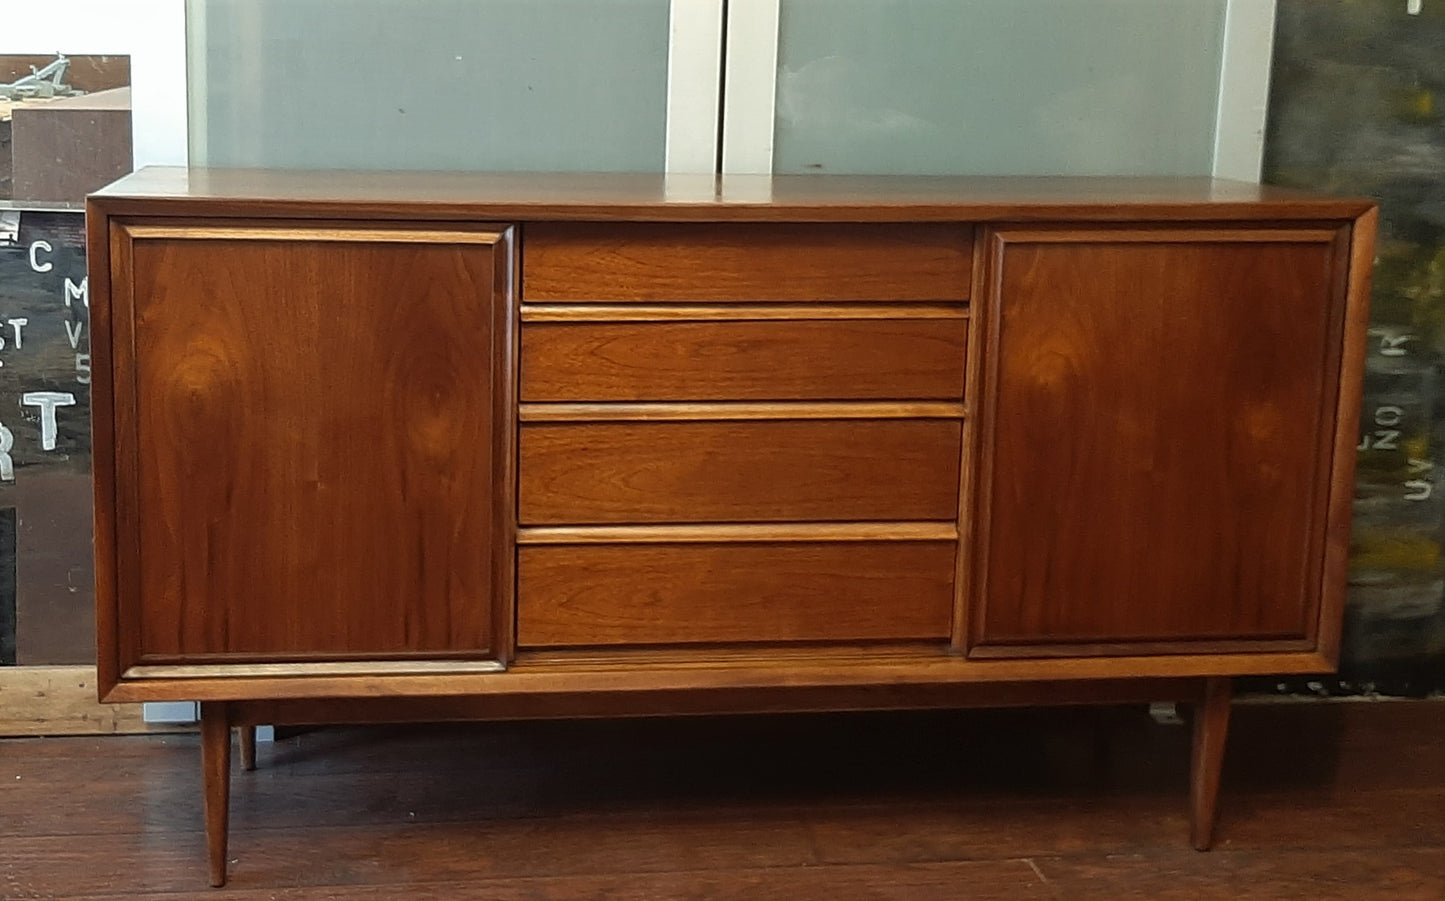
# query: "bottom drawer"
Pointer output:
{"type": "Point", "coordinates": [593, 595]}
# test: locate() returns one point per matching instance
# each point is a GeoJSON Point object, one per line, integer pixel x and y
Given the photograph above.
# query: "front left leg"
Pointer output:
{"type": "Point", "coordinates": [216, 770]}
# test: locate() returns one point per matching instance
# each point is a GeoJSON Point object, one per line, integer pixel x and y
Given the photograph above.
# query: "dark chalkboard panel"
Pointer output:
{"type": "Point", "coordinates": [7, 586]}
{"type": "Point", "coordinates": [45, 437]}
{"type": "Point", "coordinates": [1355, 109]}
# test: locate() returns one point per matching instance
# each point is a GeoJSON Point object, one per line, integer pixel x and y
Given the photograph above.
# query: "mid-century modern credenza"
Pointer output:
{"type": "Point", "coordinates": [416, 447]}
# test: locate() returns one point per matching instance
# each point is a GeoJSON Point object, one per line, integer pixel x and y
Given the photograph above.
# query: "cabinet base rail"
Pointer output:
{"type": "Point", "coordinates": [1209, 697]}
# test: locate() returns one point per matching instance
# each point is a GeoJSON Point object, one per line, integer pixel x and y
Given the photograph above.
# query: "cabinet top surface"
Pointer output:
{"type": "Point", "coordinates": [743, 198]}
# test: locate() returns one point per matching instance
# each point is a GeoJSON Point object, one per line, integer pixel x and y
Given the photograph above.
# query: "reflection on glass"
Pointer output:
{"type": "Point", "coordinates": [429, 84]}
{"type": "Point", "coordinates": [1032, 87]}
{"type": "Point", "coordinates": [65, 127]}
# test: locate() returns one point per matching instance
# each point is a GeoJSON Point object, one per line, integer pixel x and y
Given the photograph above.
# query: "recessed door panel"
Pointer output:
{"type": "Point", "coordinates": [312, 431]}
{"type": "Point", "coordinates": [1155, 442]}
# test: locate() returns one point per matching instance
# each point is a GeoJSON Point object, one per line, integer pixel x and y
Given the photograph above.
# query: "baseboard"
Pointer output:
{"type": "Point", "coordinates": [61, 700]}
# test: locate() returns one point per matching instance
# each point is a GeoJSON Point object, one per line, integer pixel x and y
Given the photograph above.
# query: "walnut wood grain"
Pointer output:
{"type": "Point", "coordinates": [246, 738]}
{"type": "Point", "coordinates": [760, 360]}
{"type": "Point", "coordinates": [1356, 270]}
{"type": "Point", "coordinates": [747, 263]}
{"type": "Point", "coordinates": [675, 594]}
{"type": "Point", "coordinates": [216, 773]}
{"type": "Point", "coordinates": [744, 471]}
{"type": "Point", "coordinates": [102, 268]}
{"type": "Point", "coordinates": [776, 471]}
{"type": "Point", "coordinates": [521, 196]}
{"type": "Point", "coordinates": [314, 463]}
{"type": "Point", "coordinates": [1155, 441]}
{"type": "Point", "coordinates": [706, 669]}
{"type": "Point", "coordinates": [781, 699]}
{"type": "Point", "coordinates": [1211, 727]}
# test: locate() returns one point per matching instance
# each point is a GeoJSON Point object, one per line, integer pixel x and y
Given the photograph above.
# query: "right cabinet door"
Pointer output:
{"type": "Point", "coordinates": [1155, 433]}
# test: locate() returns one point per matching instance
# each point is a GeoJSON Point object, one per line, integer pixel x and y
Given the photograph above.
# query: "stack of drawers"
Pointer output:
{"type": "Point", "coordinates": [740, 433]}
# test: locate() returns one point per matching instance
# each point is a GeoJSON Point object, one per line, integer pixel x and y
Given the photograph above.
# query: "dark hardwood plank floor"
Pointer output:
{"type": "Point", "coordinates": [1320, 801]}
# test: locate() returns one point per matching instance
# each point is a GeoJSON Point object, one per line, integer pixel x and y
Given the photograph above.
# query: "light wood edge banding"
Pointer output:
{"type": "Point", "coordinates": [662, 412]}
{"type": "Point", "coordinates": [610, 312]}
{"type": "Point", "coordinates": [739, 532]}
{"type": "Point", "coordinates": [1165, 235]}
{"type": "Point", "coordinates": [314, 668]}
{"type": "Point", "coordinates": [762, 671]}
{"type": "Point", "coordinates": [378, 235]}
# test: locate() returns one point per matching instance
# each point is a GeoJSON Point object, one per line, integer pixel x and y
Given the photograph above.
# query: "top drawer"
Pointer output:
{"type": "Point", "coordinates": [579, 262]}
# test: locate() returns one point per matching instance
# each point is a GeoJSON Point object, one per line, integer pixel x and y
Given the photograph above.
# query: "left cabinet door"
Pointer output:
{"type": "Point", "coordinates": [311, 432]}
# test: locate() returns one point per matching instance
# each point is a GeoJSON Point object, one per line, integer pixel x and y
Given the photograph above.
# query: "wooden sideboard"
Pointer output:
{"type": "Point", "coordinates": [416, 447]}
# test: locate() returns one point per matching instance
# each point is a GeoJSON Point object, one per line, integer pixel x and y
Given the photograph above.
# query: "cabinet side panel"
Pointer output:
{"type": "Point", "coordinates": [315, 424]}
{"type": "Point", "coordinates": [1160, 419]}
{"type": "Point", "coordinates": [1358, 263]}
{"type": "Point", "coordinates": [102, 422]}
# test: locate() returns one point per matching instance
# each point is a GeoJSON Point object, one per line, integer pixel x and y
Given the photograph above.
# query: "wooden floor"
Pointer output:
{"type": "Point", "coordinates": [1320, 801]}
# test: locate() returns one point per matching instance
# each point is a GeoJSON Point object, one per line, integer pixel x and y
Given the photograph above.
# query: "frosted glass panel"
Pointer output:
{"type": "Point", "coordinates": [429, 84]}
{"type": "Point", "coordinates": [1029, 87]}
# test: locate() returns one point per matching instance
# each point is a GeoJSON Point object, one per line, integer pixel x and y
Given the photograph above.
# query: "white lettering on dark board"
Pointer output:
{"type": "Point", "coordinates": [80, 292]}
{"type": "Point", "coordinates": [1393, 345]}
{"type": "Point", "coordinates": [7, 465]}
{"type": "Point", "coordinates": [35, 248]}
{"type": "Point", "coordinates": [47, 401]}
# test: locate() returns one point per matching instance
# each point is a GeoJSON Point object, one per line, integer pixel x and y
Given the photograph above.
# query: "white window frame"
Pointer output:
{"type": "Point", "coordinates": [1243, 89]}
{"type": "Point", "coordinates": [694, 85]}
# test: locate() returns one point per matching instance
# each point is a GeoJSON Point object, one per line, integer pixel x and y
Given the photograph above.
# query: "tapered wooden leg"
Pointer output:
{"type": "Point", "coordinates": [1211, 725]}
{"type": "Point", "coordinates": [216, 763]}
{"type": "Point", "coordinates": [247, 734]}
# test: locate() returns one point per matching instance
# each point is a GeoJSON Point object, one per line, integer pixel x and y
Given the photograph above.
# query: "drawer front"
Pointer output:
{"type": "Point", "coordinates": [659, 262]}
{"type": "Point", "coordinates": [838, 359]}
{"type": "Point", "coordinates": [600, 595]}
{"type": "Point", "coordinates": [769, 471]}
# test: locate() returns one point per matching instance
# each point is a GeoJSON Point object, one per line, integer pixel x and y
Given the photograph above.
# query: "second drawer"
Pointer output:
{"type": "Point", "coordinates": [820, 359]}
{"type": "Point", "coordinates": [731, 471]}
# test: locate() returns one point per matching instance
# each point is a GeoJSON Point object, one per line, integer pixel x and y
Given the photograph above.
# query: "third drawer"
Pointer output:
{"type": "Point", "coordinates": [739, 471]}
